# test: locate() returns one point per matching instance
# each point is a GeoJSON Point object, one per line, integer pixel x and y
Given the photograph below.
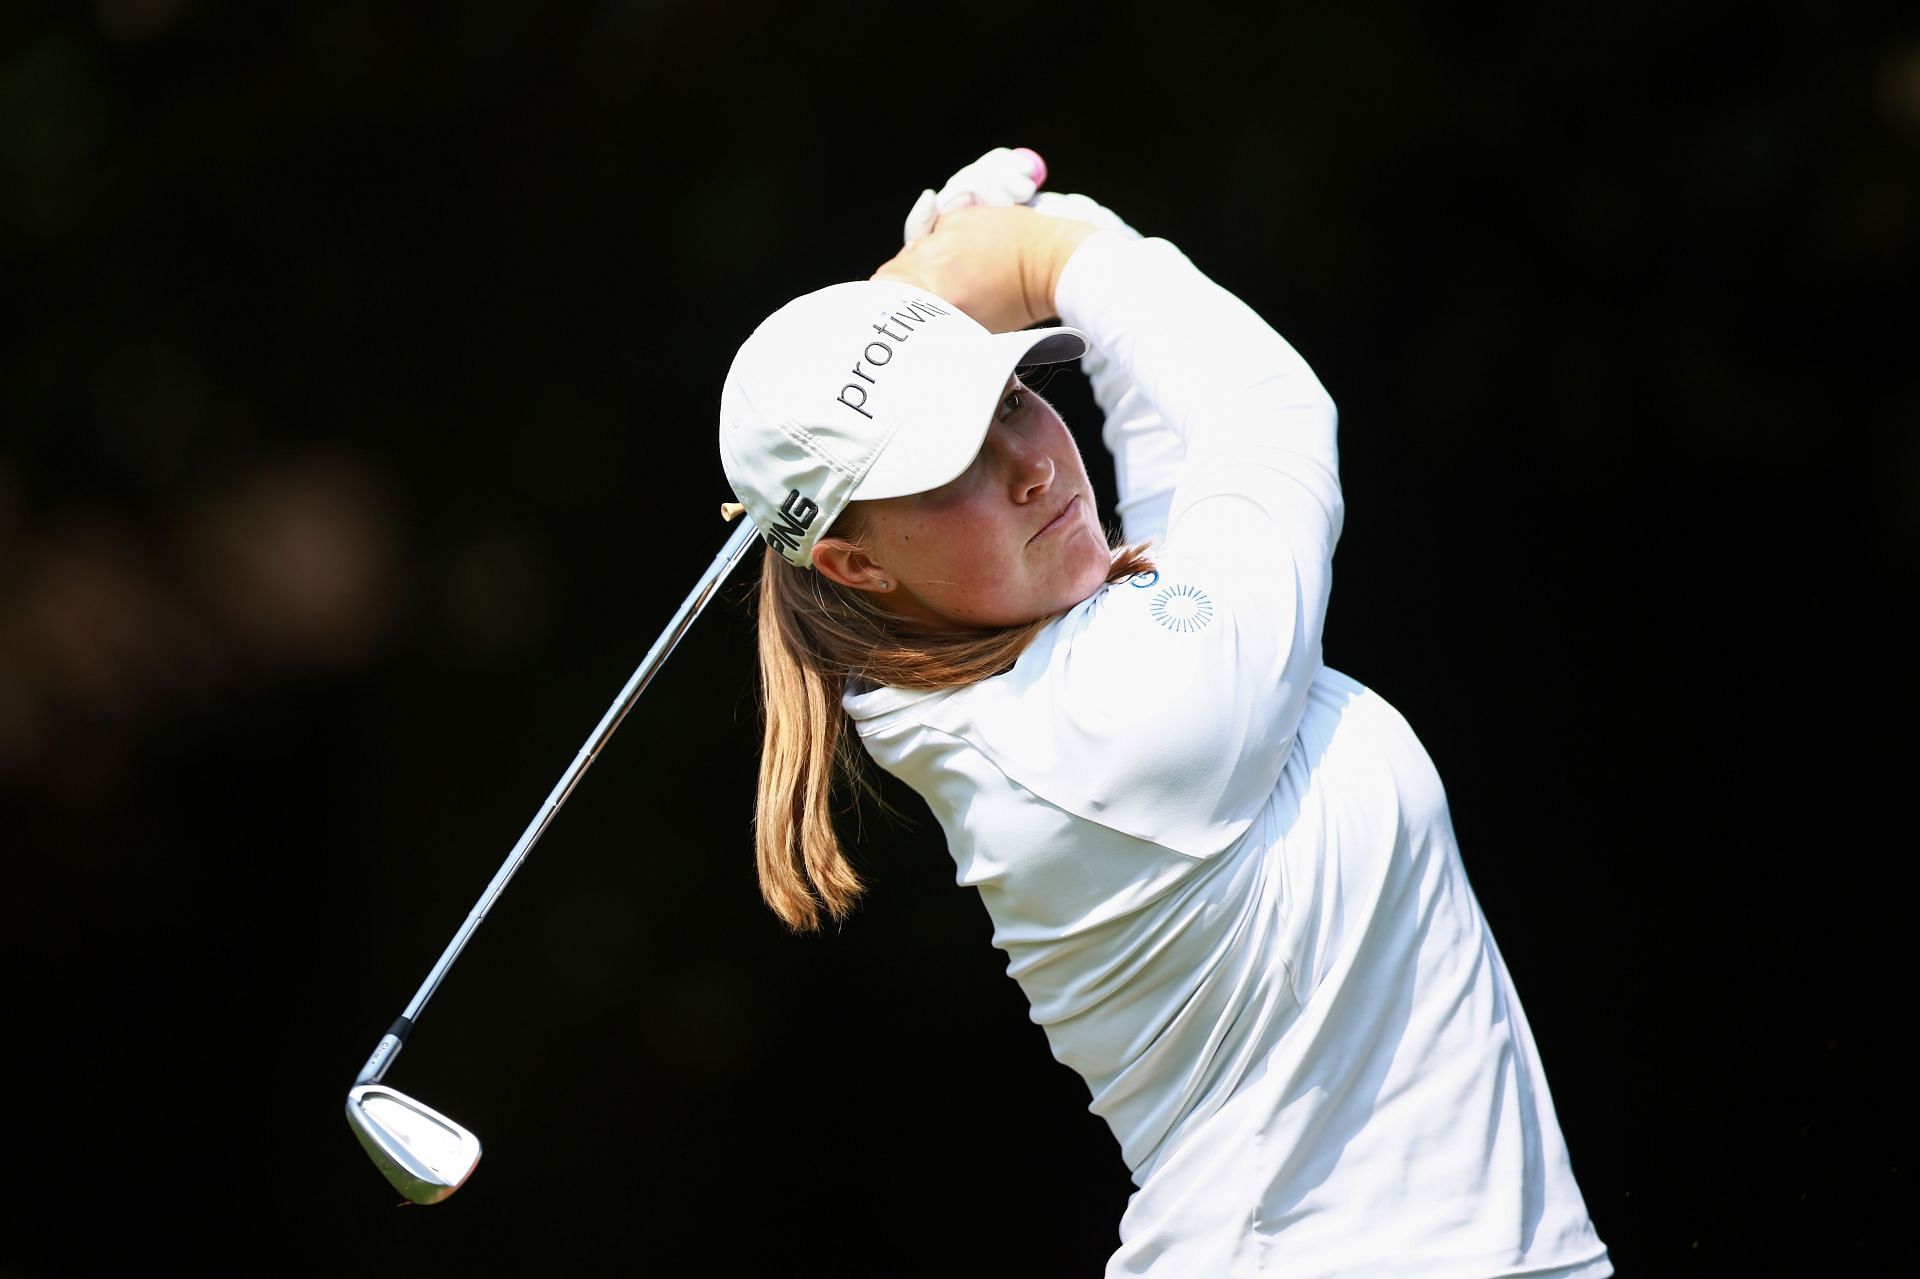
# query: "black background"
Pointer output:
{"type": "Point", "coordinates": [358, 373]}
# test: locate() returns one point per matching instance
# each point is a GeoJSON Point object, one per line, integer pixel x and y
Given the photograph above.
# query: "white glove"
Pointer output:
{"type": "Point", "coordinates": [1005, 176]}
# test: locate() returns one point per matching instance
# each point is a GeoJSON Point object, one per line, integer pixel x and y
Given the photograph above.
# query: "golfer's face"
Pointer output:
{"type": "Point", "coordinates": [1013, 538]}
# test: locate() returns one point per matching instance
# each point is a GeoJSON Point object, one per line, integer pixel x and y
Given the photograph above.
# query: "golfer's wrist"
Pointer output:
{"type": "Point", "coordinates": [1052, 246]}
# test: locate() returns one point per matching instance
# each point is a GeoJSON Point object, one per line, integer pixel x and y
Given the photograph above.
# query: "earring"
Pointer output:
{"type": "Point", "coordinates": [885, 585]}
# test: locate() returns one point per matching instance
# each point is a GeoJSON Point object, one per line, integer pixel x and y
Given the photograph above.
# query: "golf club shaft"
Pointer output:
{"type": "Point", "coordinates": [710, 582]}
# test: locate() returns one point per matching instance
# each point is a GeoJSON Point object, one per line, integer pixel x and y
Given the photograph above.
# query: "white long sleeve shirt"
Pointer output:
{"type": "Point", "coordinates": [1224, 874]}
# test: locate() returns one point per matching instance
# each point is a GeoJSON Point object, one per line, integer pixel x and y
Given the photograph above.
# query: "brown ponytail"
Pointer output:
{"type": "Point", "coordinates": [816, 635]}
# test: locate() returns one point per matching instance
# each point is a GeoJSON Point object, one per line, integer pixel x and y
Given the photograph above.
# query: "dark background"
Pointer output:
{"type": "Point", "coordinates": [358, 375]}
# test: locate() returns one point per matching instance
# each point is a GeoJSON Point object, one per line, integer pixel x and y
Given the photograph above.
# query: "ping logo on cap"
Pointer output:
{"type": "Point", "coordinates": [791, 524]}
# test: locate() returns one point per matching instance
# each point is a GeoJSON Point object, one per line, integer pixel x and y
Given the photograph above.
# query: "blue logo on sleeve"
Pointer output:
{"type": "Point", "coordinates": [1181, 608]}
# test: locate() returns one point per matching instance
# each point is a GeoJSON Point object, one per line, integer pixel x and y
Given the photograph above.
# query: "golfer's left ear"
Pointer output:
{"type": "Point", "coordinates": [843, 562]}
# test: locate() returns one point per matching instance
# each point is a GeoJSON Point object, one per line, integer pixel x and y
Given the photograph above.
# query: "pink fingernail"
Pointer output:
{"type": "Point", "coordinates": [1035, 165]}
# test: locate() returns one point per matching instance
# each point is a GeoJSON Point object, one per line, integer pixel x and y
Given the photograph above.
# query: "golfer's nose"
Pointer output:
{"type": "Point", "coordinates": [1030, 471]}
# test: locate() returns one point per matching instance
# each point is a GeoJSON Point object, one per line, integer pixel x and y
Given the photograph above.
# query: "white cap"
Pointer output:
{"type": "Point", "coordinates": [863, 390]}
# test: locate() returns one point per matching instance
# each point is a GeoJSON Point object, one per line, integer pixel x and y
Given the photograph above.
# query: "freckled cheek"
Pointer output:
{"type": "Point", "coordinates": [976, 529]}
{"type": "Point", "coordinates": [953, 550]}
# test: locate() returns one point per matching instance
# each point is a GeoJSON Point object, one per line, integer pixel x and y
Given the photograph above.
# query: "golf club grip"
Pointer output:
{"type": "Point", "coordinates": [743, 536]}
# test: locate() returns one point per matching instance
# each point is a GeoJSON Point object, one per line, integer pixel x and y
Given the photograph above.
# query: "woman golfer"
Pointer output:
{"type": "Point", "coordinates": [1223, 873]}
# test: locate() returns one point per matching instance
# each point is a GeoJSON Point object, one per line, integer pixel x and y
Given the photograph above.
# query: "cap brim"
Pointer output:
{"type": "Point", "coordinates": [936, 444]}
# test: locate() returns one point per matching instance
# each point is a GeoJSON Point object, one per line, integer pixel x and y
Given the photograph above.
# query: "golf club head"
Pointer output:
{"type": "Point", "coordinates": [422, 1152]}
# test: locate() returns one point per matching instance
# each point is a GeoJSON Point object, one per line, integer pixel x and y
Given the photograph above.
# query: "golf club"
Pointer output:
{"type": "Point", "coordinates": [426, 1155]}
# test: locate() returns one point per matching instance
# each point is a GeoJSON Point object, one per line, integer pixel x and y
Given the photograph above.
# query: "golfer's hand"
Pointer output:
{"type": "Point", "coordinates": [999, 265]}
{"type": "Point", "coordinates": [1002, 177]}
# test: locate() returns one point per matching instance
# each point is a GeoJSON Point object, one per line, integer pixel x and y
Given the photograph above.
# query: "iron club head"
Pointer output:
{"type": "Point", "coordinates": [422, 1152]}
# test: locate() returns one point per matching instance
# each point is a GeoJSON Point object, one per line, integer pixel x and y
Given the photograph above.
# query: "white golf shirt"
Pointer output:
{"type": "Point", "coordinates": [1224, 874]}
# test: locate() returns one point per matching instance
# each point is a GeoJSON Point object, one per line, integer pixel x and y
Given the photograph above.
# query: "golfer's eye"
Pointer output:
{"type": "Point", "coordinates": [1011, 405]}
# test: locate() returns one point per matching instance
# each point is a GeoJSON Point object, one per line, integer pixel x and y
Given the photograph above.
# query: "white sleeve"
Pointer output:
{"type": "Point", "coordinates": [1188, 689]}
{"type": "Point", "coordinates": [1201, 382]}
{"type": "Point", "coordinates": [1147, 452]}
